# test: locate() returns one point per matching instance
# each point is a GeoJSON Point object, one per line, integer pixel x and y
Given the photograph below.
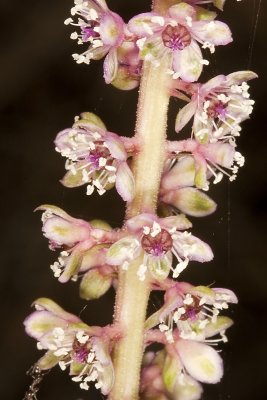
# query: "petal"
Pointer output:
{"type": "Point", "coordinates": [111, 29]}
{"type": "Point", "coordinates": [123, 250]}
{"type": "Point", "coordinates": [237, 78]}
{"type": "Point", "coordinates": [125, 184]}
{"type": "Point", "coordinates": [46, 304]}
{"type": "Point", "coordinates": [160, 267]}
{"type": "Point", "coordinates": [92, 121]}
{"type": "Point", "coordinates": [61, 231]}
{"type": "Point", "coordinates": [115, 146]}
{"type": "Point", "coordinates": [190, 201]}
{"type": "Point", "coordinates": [182, 174]}
{"type": "Point", "coordinates": [110, 66]}
{"type": "Point", "coordinates": [142, 24]}
{"type": "Point", "coordinates": [215, 32]}
{"type": "Point", "coordinates": [184, 115]}
{"type": "Point", "coordinates": [193, 248]}
{"type": "Point", "coordinates": [201, 172]}
{"type": "Point", "coordinates": [48, 361]}
{"type": "Point", "coordinates": [94, 257]}
{"type": "Point", "coordinates": [213, 83]}
{"type": "Point", "coordinates": [94, 285]}
{"type": "Point", "coordinates": [71, 180]}
{"type": "Point", "coordinates": [187, 388]}
{"type": "Point", "coordinates": [181, 11]}
{"type": "Point", "coordinates": [187, 62]}
{"type": "Point", "coordinates": [57, 211]}
{"type": "Point", "coordinates": [213, 328]}
{"type": "Point", "coordinates": [40, 322]}
{"type": "Point", "coordinates": [202, 362]}
{"type": "Point", "coordinates": [171, 369]}
{"type": "Point", "coordinates": [72, 267]}
{"type": "Point", "coordinates": [219, 153]}
{"type": "Point", "coordinates": [180, 222]}
{"type": "Point", "coordinates": [136, 224]}
{"type": "Point", "coordinates": [227, 294]}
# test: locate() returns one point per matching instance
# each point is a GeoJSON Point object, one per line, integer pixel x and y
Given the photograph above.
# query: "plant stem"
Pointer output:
{"type": "Point", "coordinates": [132, 293]}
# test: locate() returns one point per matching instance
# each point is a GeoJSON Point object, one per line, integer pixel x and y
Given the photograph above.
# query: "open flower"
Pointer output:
{"type": "Point", "coordinates": [74, 237]}
{"type": "Point", "coordinates": [194, 310]}
{"type": "Point", "coordinates": [102, 29]}
{"type": "Point", "coordinates": [95, 157]}
{"type": "Point", "coordinates": [178, 34]}
{"type": "Point", "coordinates": [155, 240]}
{"type": "Point", "coordinates": [71, 343]}
{"type": "Point", "coordinates": [218, 108]}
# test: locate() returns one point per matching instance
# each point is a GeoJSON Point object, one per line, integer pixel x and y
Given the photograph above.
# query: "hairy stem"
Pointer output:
{"type": "Point", "coordinates": [132, 293]}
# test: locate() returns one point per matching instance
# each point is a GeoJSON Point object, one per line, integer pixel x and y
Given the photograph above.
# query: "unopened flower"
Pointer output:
{"type": "Point", "coordinates": [69, 342]}
{"type": "Point", "coordinates": [100, 28]}
{"type": "Point", "coordinates": [218, 108]}
{"type": "Point", "coordinates": [155, 240]}
{"type": "Point", "coordinates": [129, 67]}
{"type": "Point", "coordinates": [95, 157]}
{"type": "Point", "coordinates": [178, 34]}
{"type": "Point", "coordinates": [74, 237]}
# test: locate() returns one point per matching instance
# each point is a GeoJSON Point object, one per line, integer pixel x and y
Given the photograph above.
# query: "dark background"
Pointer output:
{"type": "Point", "coordinates": [41, 90]}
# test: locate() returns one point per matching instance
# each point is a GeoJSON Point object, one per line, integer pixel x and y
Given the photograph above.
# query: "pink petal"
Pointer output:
{"type": "Point", "coordinates": [219, 153]}
{"type": "Point", "coordinates": [142, 24]}
{"type": "Point", "coordinates": [72, 267]}
{"type": "Point", "coordinates": [180, 222]}
{"type": "Point", "coordinates": [215, 32]}
{"type": "Point", "coordinates": [44, 303]}
{"type": "Point", "coordinates": [116, 146]}
{"type": "Point", "coordinates": [181, 11]}
{"type": "Point", "coordinates": [125, 182]}
{"type": "Point", "coordinates": [187, 62]}
{"type": "Point", "coordinates": [110, 66]}
{"type": "Point", "coordinates": [62, 232]}
{"type": "Point", "coordinates": [40, 322]}
{"type": "Point", "coordinates": [111, 29]}
{"type": "Point", "coordinates": [136, 224]}
{"type": "Point", "coordinates": [237, 78]}
{"type": "Point", "coordinates": [184, 115]}
{"type": "Point", "coordinates": [202, 362]}
{"type": "Point", "coordinates": [182, 174]}
{"type": "Point", "coordinates": [213, 83]}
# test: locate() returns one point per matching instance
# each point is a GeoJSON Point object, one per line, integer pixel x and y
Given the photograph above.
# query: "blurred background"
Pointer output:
{"type": "Point", "coordinates": [41, 90]}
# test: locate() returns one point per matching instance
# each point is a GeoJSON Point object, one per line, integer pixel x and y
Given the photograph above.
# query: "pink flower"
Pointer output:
{"type": "Point", "coordinates": [76, 239]}
{"type": "Point", "coordinates": [194, 311]}
{"type": "Point", "coordinates": [218, 107]}
{"type": "Point", "coordinates": [71, 343]}
{"type": "Point", "coordinates": [178, 34]}
{"type": "Point", "coordinates": [155, 240]}
{"type": "Point", "coordinates": [95, 157]}
{"type": "Point", "coordinates": [102, 29]}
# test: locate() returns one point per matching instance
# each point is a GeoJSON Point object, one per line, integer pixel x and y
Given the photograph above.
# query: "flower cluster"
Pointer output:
{"type": "Point", "coordinates": [157, 247]}
{"type": "Point", "coordinates": [147, 36]}
{"type": "Point", "coordinates": [188, 321]}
